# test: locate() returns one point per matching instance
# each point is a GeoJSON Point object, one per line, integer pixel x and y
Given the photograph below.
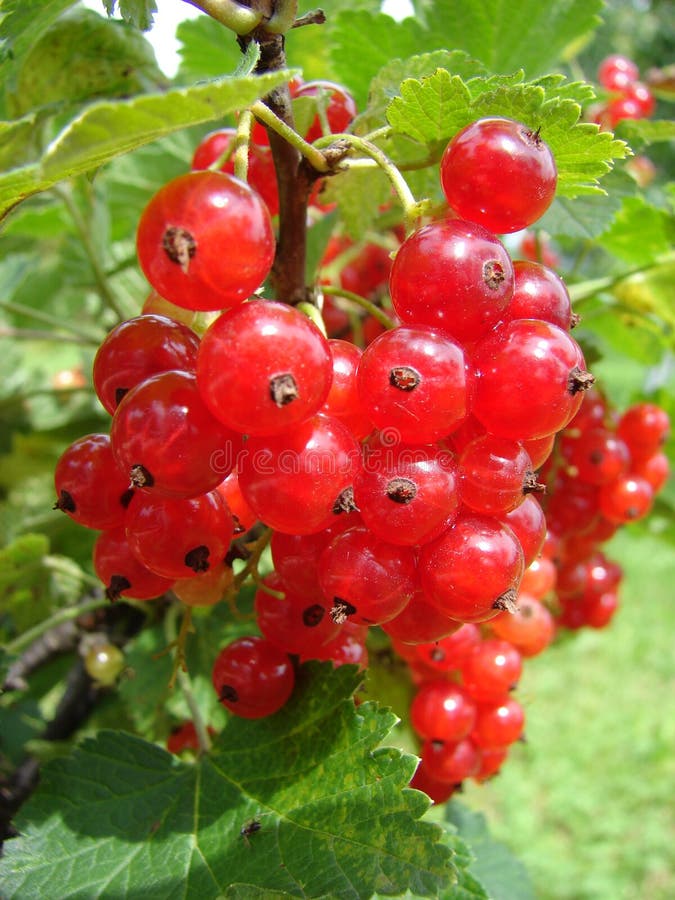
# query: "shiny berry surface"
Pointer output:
{"type": "Point", "coordinates": [180, 538]}
{"type": "Point", "coordinates": [205, 241]}
{"type": "Point", "coordinates": [164, 436]}
{"type": "Point", "coordinates": [407, 494]}
{"type": "Point", "coordinates": [263, 368]}
{"type": "Point", "coordinates": [414, 382]}
{"type": "Point", "coordinates": [499, 173]}
{"type": "Point", "coordinates": [90, 487]}
{"type": "Point", "coordinates": [454, 275]}
{"type": "Point", "coordinates": [252, 677]}
{"type": "Point", "coordinates": [300, 482]}
{"type": "Point", "coordinates": [366, 580]}
{"type": "Point", "coordinates": [530, 378]}
{"type": "Point", "coordinates": [472, 569]}
{"type": "Point", "coordinates": [138, 348]}
{"type": "Point", "coordinates": [121, 572]}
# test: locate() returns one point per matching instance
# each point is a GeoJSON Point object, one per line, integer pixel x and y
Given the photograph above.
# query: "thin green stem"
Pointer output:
{"type": "Point", "coordinates": [63, 615]}
{"type": "Point", "coordinates": [36, 334]}
{"type": "Point", "coordinates": [384, 132]}
{"type": "Point", "coordinates": [367, 305]}
{"type": "Point", "coordinates": [315, 157]}
{"type": "Point", "coordinates": [584, 290]}
{"type": "Point", "coordinates": [411, 208]}
{"type": "Point", "coordinates": [83, 230]}
{"type": "Point", "coordinates": [185, 684]}
{"type": "Point", "coordinates": [241, 145]}
{"type": "Point", "coordinates": [40, 316]}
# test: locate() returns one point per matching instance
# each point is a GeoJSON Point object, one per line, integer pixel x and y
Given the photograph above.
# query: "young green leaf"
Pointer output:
{"type": "Point", "coordinates": [308, 790]}
{"type": "Point", "coordinates": [438, 106]}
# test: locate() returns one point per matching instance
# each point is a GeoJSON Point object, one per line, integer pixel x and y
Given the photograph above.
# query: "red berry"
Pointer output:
{"type": "Point", "coordinates": [263, 368]}
{"type": "Point", "coordinates": [180, 538]}
{"type": "Point", "coordinates": [616, 72]}
{"type": "Point", "coordinates": [205, 241]}
{"type": "Point", "coordinates": [420, 623]}
{"type": "Point", "coordinates": [365, 579]}
{"type": "Point", "coordinates": [252, 677]}
{"type": "Point", "coordinates": [538, 293]}
{"type": "Point", "coordinates": [626, 499]}
{"type": "Point", "coordinates": [530, 628]}
{"type": "Point", "coordinates": [453, 275]}
{"type": "Point", "coordinates": [293, 623]}
{"type": "Point", "coordinates": [165, 437]}
{"type": "Point", "coordinates": [645, 428]}
{"type": "Point", "coordinates": [261, 172]}
{"type": "Point", "coordinates": [473, 570]}
{"type": "Point", "coordinates": [448, 654]}
{"type": "Point", "coordinates": [491, 670]}
{"type": "Point", "coordinates": [121, 572]}
{"type": "Point", "coordinates": [442, 711]}
{"type": "Point", "coordinates": [90, 487]}
{"type": "Point", "coordinates": [407, 494]}
{"type": "Point", "coordinates": [498, 724]}
{"type": "Point", "coordinates": [530, 378]}
{"type": "Point", "coordinates": [301, 481]}
{"type": "Point", "coordinates": [138, 348]}
{"type": "Point", "coordinates": [413, 381]}
{"type": "Point", "coordinates": [499, 173]}
{"type": "Point", "coordinates": [528, 523]}
{"type": "Point", "coordinates": [337, 104]}
{"type": "Point", "coordinates": [495, 474]}
{"type": "Point", "coordinates": [450, 762]}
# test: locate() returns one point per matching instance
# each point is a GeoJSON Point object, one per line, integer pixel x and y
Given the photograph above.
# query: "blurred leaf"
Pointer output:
{"type": "Point", "coordinates": [109, 128]}
{"type": "Point", "coordinates": [359, 193]}
{"type": "Point", "coordinates": [642, 132]}
{"type": "Point", "coordinates": [586, 217]}
{"type": "Point", "coordinates": [502, 874]}
{"type": "Point", "coordinates": [385, 85]}
{"type": "Point", "coordinates": [640, 232]}
{"type": "Point", "coordinates": [21, 24]}
{"type": "Point", "coordinates": [139, 12]}
{"type": "Point", "coordinates": [120, 811]}
{"type": "Point", "coordinates": [505, 36]}
{"type": "Point", "coordinates": [206, 49]}
{"type": "Point", "coordinates": [82, 56]}
{"type": "Point", "coordinates": [363, 42]}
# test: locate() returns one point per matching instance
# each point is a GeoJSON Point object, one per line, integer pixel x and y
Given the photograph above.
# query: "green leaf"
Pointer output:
{"type": "Point", "coordinates": [496, 868]}
{"type": "Point", "coordinates": [359, 194]}
{"type": "Point", "coordinates": [507, 36]}
{"type": "Point", "coordinates": [640, 233]}
{"type": "Point", "coordinates": [431, 108]}
{"type": "Point", "coordinates": [110, 128]}
{"type": "Point", "coordinates": [21, 24]}
{"type": "Point", "coordinates": [333, 817]}
{"type": "Point", "coordinates": [436, 107]}
{"type": "Point", "coordinates": [82, 56]}
{"type": "Point", "coordinates": [206, 49]}
{"type": "Point", "coordinates": [586, 217]}
{"type": "Point", "coordinates": [642, 132]}
{"type": "Point", "coordinates": [138, 12]}
{"type": "Point", "coordinates": [385, 86]}
{"type": "Point", "coordinates": [362, 43]}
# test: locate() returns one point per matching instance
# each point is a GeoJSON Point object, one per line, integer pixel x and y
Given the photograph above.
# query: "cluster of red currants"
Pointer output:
{"type": "Point", "coordinates": [604, 473]}
{"type": "Point", "coordinates": [629, 97]}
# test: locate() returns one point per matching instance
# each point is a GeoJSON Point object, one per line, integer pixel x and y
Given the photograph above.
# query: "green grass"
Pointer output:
{"type": "Point", "coordinates": [588, 803]}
